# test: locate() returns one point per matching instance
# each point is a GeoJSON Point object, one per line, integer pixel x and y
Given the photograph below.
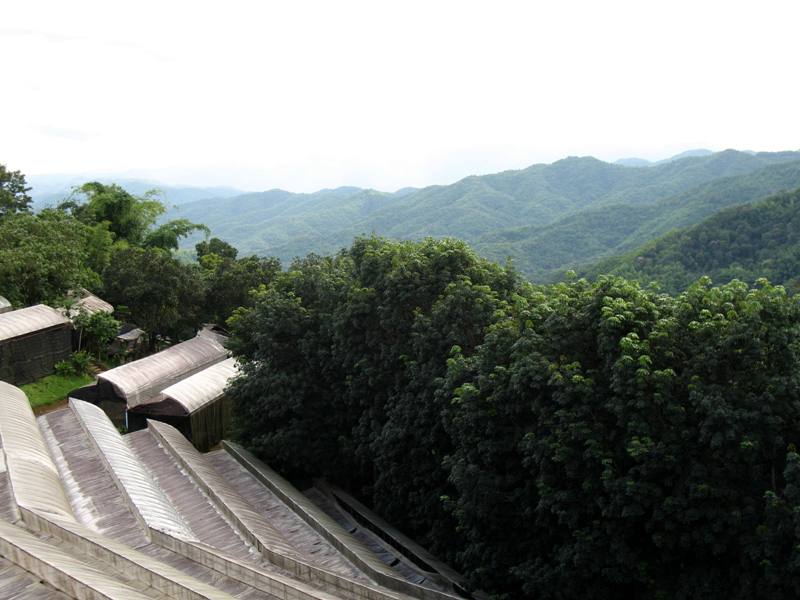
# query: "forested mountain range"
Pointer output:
{"type": "Point", "coordinates": [544, 253]}
{"type": "Point", "coordinates": [513, 213]}
{"type": "Point", "coordinates": [746, 242]}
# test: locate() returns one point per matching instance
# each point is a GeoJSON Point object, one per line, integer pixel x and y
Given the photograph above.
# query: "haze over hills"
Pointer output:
{"type": "Point", "coordinates": [643, 162]}
{"type": "Point", "coordinates": [50, 190]}
{"type": "Point", "coordinates": [492, 211]}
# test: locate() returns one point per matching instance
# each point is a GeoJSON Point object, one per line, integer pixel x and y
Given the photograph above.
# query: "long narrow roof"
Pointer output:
{"type": "Point", "coordinates": [29, 320]}
{"type": "Point", "coordinates": [145, 496]}
{"type": "Point", "coordinates": [197, 390]}
{"type": "Point", "coordinates": [141, 380]}
{"type": "Point", "coordinates": [35, 480]}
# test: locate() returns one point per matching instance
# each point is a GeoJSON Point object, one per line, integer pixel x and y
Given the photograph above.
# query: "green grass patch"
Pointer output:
{"type": "Point", "coordinates": [53, 388]}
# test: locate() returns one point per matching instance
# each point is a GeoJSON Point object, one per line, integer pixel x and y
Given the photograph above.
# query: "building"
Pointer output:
{"type": "Point", "coordinates": [142, 381]}
{"type": "Point", "coordinates": [86, 512]}
{"type": "Point", "coordinates": [32, 341]}
{"type": "Point", "coordinates": [195, 406]}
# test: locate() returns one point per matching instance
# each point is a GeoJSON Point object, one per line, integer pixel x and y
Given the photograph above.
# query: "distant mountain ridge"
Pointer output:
{"type": "Point", "coordinates": [544, 253]}
{"type": "Point", "coordinates": [548, 218]}
{"type": "Point", "coordinates": [643, 162]}
{"type": "Point", "coordinates": [479, 209]}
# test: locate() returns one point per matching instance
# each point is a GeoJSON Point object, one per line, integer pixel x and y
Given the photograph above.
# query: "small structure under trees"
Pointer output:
{"type": "Point", "coordinates": [5, 305]}
{"type": "Point", "coordinates": [86, 302]}
{"type": "Point", "coordinates": [196, 406]}
{"type": "Point", "coordinates": [32, 341]}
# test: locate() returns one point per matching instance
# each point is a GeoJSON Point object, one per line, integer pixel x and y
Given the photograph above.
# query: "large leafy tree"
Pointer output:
{"type": "Point", "coordinates": [13, 192]}
{"type": "Point", "coordinates": [228, 280]}
{"type": "Point", "coordinates": [163, 295]}
{"type": "Point", "coordinates": [348, 351]}
{"type": "Point", "coordinates": [43, 256]}
{"type": "Point", "coordinates": [129, 218]}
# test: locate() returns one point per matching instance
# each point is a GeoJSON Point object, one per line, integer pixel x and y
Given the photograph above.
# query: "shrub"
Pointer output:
{"type": "Point", "coordinates": [65, 368]}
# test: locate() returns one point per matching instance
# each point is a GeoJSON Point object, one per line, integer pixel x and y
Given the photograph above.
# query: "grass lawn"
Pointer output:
{"type": "Point", "coordinates": [53, 388]}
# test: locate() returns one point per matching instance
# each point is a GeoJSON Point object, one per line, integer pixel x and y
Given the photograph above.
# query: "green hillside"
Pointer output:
{"type": "Point", "coordinates": [283, 224]}
{"type": "Point", "coordinates": [543, 253]}
{"type": "Point", "coordinates": [743, 242]}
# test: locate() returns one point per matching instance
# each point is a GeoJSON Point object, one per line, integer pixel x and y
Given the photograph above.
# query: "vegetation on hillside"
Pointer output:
{"type": "Point", "coordinates": [285, 225]}
{"type": "Point", "coordinates": [744, 242]}
{"type": "Point", "coordinates": [544, 253]}
{"type": "Point", "coordinates": [567, 441]}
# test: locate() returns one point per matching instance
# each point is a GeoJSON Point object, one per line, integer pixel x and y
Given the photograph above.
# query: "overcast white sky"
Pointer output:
{"type": "Point", "coordinates": [304, 95]}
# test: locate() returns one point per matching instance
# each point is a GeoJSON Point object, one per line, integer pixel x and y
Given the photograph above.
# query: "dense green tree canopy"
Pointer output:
{"type": "Point", "coordinates": [228, 281]}
{"type": "Point", "coordinates": [163, 296]}
{"type": "Point", "coordinates": [570, 441]}
{"type": "Point", "coordinates": [43, 256]}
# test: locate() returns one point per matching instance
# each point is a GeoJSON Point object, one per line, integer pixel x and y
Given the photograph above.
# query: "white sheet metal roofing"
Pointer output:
{"type": "Point", "coordinates": [35, 480]}
{"type": "Point", "coordinates": [29, 320]}
{"type": "Point", "coordinates": [197, 390]}
{"type": "Point", "coordinates": [135, 482]}
{"type": "Point", "coordinates": [140, 381]}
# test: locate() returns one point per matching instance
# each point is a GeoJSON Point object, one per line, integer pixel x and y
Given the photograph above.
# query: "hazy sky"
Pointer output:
{"type": "Point", "coordinates": [304, 95]}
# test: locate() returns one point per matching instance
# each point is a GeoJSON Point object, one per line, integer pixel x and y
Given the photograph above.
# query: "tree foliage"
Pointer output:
{"type": "Point", "coordinates": [575, 440]}
{"type": "Point", "coordinates": [13, 192]}
{"type": "Point", "coordinates": [228, 281]}
{"type": "Point", "coordinates": [359, 341]}
{"type": "Point", "coordinates": [96, 330]}
{"type": "Point", "coordinates": [745, 242]}
{"type": "Point", "coordinates": [164, 296]}
{"type": "Point", "coordinates": [43, 256]}
{"type": "Point", "coordinates": [129, 218]}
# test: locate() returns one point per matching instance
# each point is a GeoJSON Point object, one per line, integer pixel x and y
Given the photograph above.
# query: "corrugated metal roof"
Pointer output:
{"type": "Point", "coordinates": [199, 389]}
{"type": "Point", "coordinates": [87, 302]}
{"type": "Point", "coordinates": [135, 482]}
{"type": "Point", "coordinates": [34, 477]}
{"type": "Point", "coordinates": [141, 380]}
{"type": "Point", "coordinates": [28, 320]}
{"type": "Point", "coordinates": [59, 567]}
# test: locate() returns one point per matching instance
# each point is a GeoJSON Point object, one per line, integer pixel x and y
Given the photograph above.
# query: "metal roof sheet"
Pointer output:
{"type": "Point", "coordinates": [139, 381]}
{"type": "Point", "coordinates": [136, 483]}
{"type": "Point", "coordinates": [35, 480]}
{"type": "Point", "coordinates": [89, 303]}
{"type": "Point", "coordinates": [29, 320]}
{"type": "Point", "coordinates": [197, 390]}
